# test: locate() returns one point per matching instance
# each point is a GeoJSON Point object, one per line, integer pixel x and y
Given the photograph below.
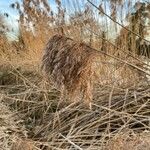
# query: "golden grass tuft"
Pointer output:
{"type": "Point", "coordinates": [71, 66]}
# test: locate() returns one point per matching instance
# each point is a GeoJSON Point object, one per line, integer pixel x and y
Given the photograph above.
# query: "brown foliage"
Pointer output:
{"type": "Point", "coordinates": [71, 66]}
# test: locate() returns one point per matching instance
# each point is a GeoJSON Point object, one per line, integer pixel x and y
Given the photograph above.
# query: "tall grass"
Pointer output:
{"type": "Point", "coordinates": [34, 113]}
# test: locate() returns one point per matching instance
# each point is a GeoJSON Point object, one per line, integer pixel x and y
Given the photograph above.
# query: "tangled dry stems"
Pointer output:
{"type": "Point", "coordinates": [116, 111]}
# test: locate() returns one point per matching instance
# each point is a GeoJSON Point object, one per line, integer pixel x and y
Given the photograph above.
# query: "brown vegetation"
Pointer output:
{"type": "Point", "coordinates": [71, 65]}
{"type": "Point", "coordinates": [93, 61]}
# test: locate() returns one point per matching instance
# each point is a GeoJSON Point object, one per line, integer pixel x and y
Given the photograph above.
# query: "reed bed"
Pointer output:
{"type": "Point", "coordinates": [102, 56]}
{"type": "Point", "coordinates": [51, 123]}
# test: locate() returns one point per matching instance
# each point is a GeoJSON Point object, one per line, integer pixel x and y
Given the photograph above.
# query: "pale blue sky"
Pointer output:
{"type": "Point", "coordinates": [13, 14]}
{"type": "Point", "coordinates": [5, 7]}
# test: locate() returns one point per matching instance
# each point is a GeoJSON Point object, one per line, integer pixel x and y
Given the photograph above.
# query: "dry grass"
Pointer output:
{"type": "Point", "coordinates": [71, 66]}
{"type": "Point", "coordinates": [119, 107]}
{"type": "Point", "coordinates": [36, 115]}
{"type": "Point", "coordinates": [130, 141]}
{"type": "Point", "coordinates": [48, 122]}
{"type": "Point", "coordinates": [11, 127]}
{"type": "Point", "coordinates": [118, 115]}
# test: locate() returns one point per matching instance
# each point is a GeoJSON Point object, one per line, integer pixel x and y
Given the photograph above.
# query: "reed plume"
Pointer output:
{"type": "Point", "coordinates": [70, 66]}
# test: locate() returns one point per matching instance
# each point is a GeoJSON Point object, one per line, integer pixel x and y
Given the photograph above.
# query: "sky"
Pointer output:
{"type": "Point", "coordinates": [12, 19]}
{"type": "Point", "coordinates": [5, 8]}
{"type": "Point", "coordinates": [13, 15]}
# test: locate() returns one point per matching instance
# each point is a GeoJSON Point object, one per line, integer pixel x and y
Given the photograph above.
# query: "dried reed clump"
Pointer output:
{"type": "Point", "coordinates": [71, 66]}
